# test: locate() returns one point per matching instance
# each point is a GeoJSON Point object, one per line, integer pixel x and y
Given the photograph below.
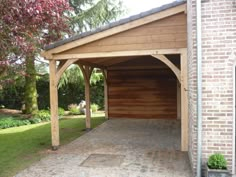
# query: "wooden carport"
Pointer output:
{"type": "Point", "coordinates": [158, 33]}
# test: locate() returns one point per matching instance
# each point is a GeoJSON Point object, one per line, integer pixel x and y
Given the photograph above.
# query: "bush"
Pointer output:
{"type": "Point", "coordinates": [44, 115]}
{"type": "Point", "coordinates": [61, 111]}
{"type": "Point", "coordinates": [35, 120]}
{"type": "Point", "coordinates": [94, 107]}
{"type": "Point", "coordinates": [74, 109]}
{"type": "Point", "coordinates": [12, 122]}
{"type": "Point", "coordinates": [217, 161]}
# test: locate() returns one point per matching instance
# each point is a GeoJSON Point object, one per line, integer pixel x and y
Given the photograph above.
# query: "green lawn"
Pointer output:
{"type": "Point", "coordinates": [21, 146]}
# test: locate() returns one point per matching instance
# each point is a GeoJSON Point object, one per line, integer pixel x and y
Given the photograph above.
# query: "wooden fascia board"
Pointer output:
{"type": "Point", "coordinates": [133, 24]}
{"type": "Point", "coordinates": [84, 56]}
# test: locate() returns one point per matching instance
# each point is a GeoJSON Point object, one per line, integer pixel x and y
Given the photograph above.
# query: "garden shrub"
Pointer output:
{"type": "Point", "coordinates": [74, 109]}
{"type": "Point", "coordinates": [35, 120]}
{"type": "Point", "coordinates": [12, 122]}
{"type": "Point", "coordinates": [94, 107]}
{"type": "Point", "coordinates": [44, 115]}
{"type": "Point", "coordinates": [217, 161]}
{"type": "Point", "coordinates": [61, 112]}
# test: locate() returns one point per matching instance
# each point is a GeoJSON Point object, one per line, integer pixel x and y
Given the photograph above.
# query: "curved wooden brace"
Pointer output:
{"type": "Point", "coordinates": [62, 67]}
{"type": "Point", "coordinates": [87, 71]}
{"type": "Point", "coordinates": [165, 60]}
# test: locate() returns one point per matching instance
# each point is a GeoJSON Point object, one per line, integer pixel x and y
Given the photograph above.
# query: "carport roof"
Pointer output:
{"type": "Point", "coordinates": [114, 24]}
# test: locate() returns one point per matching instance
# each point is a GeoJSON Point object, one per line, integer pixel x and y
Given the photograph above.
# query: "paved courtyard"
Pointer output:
{"type": "Point", "coordinates": [119, 148]}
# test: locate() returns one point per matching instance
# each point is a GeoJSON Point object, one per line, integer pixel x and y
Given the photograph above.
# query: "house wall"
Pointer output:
{"type": "Point", "coordinates": [218, 44]}
{"type": "Point", "coordinates": [166, 33]}
{"type": "Point", "coordinates": [142, 93]}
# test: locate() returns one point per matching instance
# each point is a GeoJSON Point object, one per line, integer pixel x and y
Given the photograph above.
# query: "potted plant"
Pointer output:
{"type": "Point", "coordinates": [217, 166]}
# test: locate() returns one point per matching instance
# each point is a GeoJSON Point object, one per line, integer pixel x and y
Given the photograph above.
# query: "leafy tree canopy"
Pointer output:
{"type": "Point", "coordinates": [27, 25]}
{"type": "Point", "coordinates": [90, 14]}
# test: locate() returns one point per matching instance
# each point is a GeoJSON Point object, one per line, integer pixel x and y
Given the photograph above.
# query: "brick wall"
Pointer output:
{"type": "Point", "coordinates": [192, 83]}
{"type": "Point", "coordinates": [218, 43]}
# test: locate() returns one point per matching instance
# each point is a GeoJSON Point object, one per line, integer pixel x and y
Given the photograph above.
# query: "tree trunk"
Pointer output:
{"type": "Point", "coordinates": [31, 103]}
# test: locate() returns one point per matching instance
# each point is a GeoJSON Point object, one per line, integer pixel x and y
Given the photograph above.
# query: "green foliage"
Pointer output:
{"type": "Point", "coordinates": [61, 112]}
{"type": "Point", "coordinates": [43, 92]}
{"type": "Point", "coordinates": [12, 122]}
{"type": "Point", "coordinates": [94, 107]}
{"type": "Point", "coordinates": [71, 87]}
{"type": "Point", "coordinates": [11, 94]}
{"type": "Point", "coordinates": [90, 14]}
{"type": "Point", "coordinates": [44, 115]}
{"type": "Point", "coordinates": [70, 91]}
{"type": "Point", "coordinates": [217, 161]}
{"type": "Point", "coordinates": [74, 110]}
{"type": "Point", "coordinates": [35, 120]}
{"type": "Point", "coordinates": [72, 75]}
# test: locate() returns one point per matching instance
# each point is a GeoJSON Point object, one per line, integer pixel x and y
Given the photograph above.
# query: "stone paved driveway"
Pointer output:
{"type": "Point", "coordinates": [119, 148]}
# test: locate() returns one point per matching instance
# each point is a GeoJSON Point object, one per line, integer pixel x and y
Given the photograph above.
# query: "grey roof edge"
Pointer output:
{"type": "Point", "coordinates": [115, 24]}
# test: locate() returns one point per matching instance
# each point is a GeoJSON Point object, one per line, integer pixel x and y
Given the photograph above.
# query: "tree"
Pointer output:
{"type": "Point", "coordinates": [71, 87]}
{"type": "Point", "coordinates": [25, 26]}
{"type": "Point", "coordinates": [90, 14]}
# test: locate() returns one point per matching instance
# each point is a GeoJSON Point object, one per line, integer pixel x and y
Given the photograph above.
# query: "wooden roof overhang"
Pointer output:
{"type": "Point", "coordinates": [158, 33]}
{"type": "Point", "coordinates": [69, 48]}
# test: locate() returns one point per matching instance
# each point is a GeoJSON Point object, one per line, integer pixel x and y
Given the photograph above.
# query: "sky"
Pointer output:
{"type": "Point", "coordinates": [138, 6]}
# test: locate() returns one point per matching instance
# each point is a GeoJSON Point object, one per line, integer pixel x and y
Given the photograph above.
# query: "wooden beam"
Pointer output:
{"type": "Point", "coordinates": [115, 30]}
{"type": "Point", "coordinates": [62, 67]}
{"type": "Point", "coordinates": [87, 71]}
{"type": "Point", "coordinates": [137, 67]}
{"type": "Point", "coordinates": [169, 64]}
{"type": "Point", "coordinates": [54, 106]}
{"type": "Point", "coordinates": [84, 56]}
{"type": "Point", "coordinates": [117, 61]}
{"type": "Point", "coordinates": [184, 102]}
{"type": "Point", "coordinates": [94, 65]}
{"type": "Point", "coordinates": [105, 93]}
{"type": "Point", "coordinates": [178, 101]}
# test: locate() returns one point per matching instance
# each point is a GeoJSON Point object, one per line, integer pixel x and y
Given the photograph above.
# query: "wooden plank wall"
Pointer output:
{"type": "Point", "coordinates": [149, 93]}
{"type": "Point", "coordinates": [170, 32]}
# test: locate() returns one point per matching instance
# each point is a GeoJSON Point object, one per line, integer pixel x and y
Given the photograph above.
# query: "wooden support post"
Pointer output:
{"type": "Point", "coordinates": [178, 101]}
{"type": "Point", "coordinates": [87, 71]}
{"type": "Point", "coordinates": [54, 105]}
{"type": "Point", "coordinates": [105, 93]}
{"type": "Point", "coordinates": [184, 102]}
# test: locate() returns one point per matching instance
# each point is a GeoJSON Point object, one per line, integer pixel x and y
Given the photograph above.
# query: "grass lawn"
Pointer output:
{"type": "Point", "coordinates": [22, 146]}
